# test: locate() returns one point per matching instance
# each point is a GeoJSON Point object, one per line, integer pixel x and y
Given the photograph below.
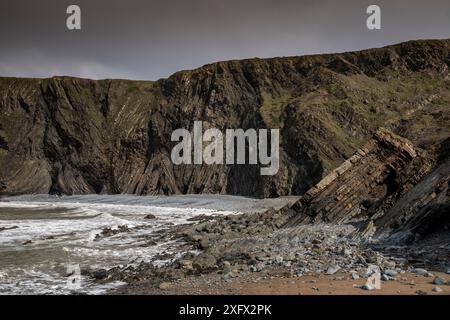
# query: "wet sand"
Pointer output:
{"type": "Point", "coordinates": [320, 284]}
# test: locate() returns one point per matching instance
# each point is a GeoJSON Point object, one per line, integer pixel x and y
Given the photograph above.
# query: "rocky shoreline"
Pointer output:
{"type": "Point", "coordinates": [257, 246]}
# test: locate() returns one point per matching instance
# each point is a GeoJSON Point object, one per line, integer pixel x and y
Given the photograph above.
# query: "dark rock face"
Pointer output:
{"type": "Point", "coordinates": [421, 212]}
{"type": "Point", "coordinates": [75, 136]}
{"type": "Point", "coordinates": [366, 183]}
{"type": "Point", "coordinates": [396, 193]}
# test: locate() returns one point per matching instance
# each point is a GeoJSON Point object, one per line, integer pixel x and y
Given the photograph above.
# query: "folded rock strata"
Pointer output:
{"type": "Point", "coordinates": [382, 168]}
{"type": "Point", "coordinates": [394, 192]}
{"type": "Point", "coordinates": [76, 136]}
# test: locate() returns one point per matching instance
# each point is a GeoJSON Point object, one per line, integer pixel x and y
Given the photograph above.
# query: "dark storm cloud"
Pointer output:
{"type": "Point", "coordinates": [150, 39]}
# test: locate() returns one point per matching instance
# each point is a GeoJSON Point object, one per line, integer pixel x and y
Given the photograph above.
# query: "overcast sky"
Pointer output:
{"type": "Point", "coordinates": [150, 39]}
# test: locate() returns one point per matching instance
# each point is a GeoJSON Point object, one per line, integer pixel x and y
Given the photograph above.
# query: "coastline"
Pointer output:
{"type": "Point", "coordinates": [322, 259]}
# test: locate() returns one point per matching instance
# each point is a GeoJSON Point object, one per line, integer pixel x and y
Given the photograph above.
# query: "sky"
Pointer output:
{"type": "Point", "coordinates": [151, 39]}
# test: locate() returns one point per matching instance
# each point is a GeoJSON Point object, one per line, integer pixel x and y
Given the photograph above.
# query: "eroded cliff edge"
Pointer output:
{"type": "Point", "coordinates": [68, 135]}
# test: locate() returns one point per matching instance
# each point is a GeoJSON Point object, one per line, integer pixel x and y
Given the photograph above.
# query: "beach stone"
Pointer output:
{"type": "Point", "coordinates": [204, 243]}
{"type": "Point", "coordinates": [355, 276]}
{"type": "Point", "coordinates": [367, 287]}
{"type": "Point", "coordinates": [439, 281]}
{"type": "Point", "coordinates": [332, 269]}
{"type": "Point", "coordinates": [389, 264]}
{"type": "Point", "coordinates": [150, 216]}
{"type": "Point", "coordinates": [390, 272]}
{"type": "Point", "coordinates": [385, 277]}
{"type": "Point", "coordinates": [421, 293]}
{"type": "Point", "coordinates": [373, 257]}
{"type": "Point", "coordinates": [100, 274]}
{"type": "Point", "coordinates": [259, 266]}
{"type": "Point", "coordinates": [164, 285]}
{"type": "Point", "coordinates": [186, 264]}
{"type": "Point", "coordinates": [371, 270]}
{"type": "Point", "coordinates": [195, 237]}
{"type": "Point", "coordinates": [279, 259]}
{"type": "Point", "coordinates": [421, 272]}
{"type": "Point", "coordinates": [226, 267]}
{"type": "Point", "coordinates": [204, 262]}
{"type": "Point", "coordinates": [437, 289]}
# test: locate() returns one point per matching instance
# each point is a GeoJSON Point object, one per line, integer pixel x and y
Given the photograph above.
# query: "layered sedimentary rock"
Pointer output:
{"type": "Point", "coordinates": [72, 136]}
{"type": "Point", "coordinates": [393, 192]}
{"type": "Point", "coordinates": [422, 211]}
{"type": "Point", "coordinates": [369, 180]}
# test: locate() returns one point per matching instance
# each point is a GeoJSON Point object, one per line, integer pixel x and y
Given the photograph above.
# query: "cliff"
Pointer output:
{"type": "Point", "coordinates": [75, 136]}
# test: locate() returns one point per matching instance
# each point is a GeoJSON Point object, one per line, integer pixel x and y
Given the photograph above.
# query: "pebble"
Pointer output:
{"type": "Point", "coordinates": [390, 264]}
{"type": "Point", "coordinates": [421, 272]}
{"type": "Point", "coordinates": [100, 274]}
{"type": "Point", "coordinates": [164, 285]}
{"type": "Point", "coordinates": [367, 287]}
{"type": "Point", "coordinates": [332, 269]}
{"type": "Point", "coordinates": [390, 272]}
{"type": "Point", "coordinates": [439, 281]}
{"type": "Point", "coordinates": [421, 292]}
{"type": "Point", "coordinates": [279, 259]}
{"type": "Point", "coordinates": [204, 243]}
{"type": "Point", "coordinates": [186, 264]}
{"type": "Point", "coordinates": [437, 289]}
{"type": "Point", "coordinates": [371, 270]}
{"type": "Point", "coordinates": [385, 277]}
{"type": "Point", "coordinates": [355, 276]}
{"type": "Point", "coordinates": [226, 267]}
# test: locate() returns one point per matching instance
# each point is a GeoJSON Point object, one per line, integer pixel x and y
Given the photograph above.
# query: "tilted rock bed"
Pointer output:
{"type": "Point", "coordinates": [333, 228]}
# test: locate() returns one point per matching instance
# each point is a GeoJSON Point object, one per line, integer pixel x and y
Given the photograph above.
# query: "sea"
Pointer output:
{"type": "Point", "coordinates": [44, 239]}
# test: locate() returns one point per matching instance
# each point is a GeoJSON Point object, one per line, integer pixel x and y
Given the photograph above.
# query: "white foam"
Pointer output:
{"type": "Point", "coordinates": [66, 227]}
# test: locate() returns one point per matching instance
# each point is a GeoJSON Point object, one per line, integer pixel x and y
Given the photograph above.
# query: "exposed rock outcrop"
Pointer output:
{"type": "Point", "coordinates": [75, 136]}
{"type": "Point", "coordinates": [392, 191]}
{"type": "Point", "coordinates": [422, 212]}
{"type": "Point", "coordinates": [366, 183]}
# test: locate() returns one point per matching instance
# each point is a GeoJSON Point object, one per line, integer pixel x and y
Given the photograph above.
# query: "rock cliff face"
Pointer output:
{"type": "Point", "coordinates": [419, 213]}
{"type": "Point", "coordinates": [369, 181]}
{"type": "Point", "coordinates": [68, 135]}
{"type": "Point", "coordinates": [395, 192]}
